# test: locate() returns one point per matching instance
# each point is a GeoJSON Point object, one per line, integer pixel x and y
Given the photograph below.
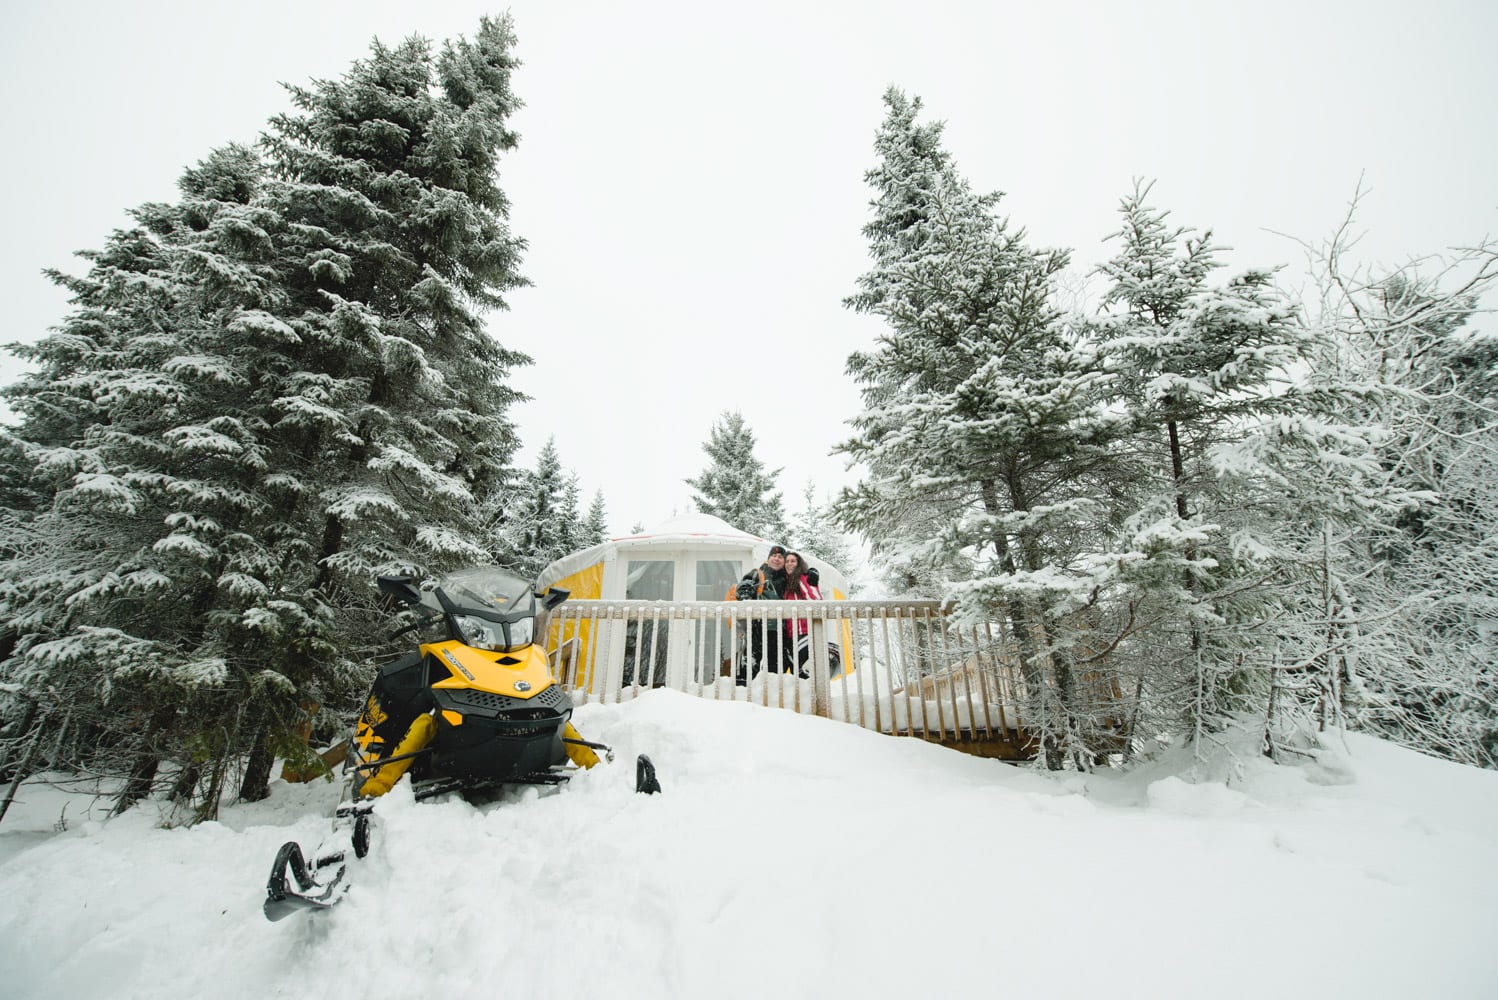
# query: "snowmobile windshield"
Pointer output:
{"type": "Point", "coordinates": [490, 607]}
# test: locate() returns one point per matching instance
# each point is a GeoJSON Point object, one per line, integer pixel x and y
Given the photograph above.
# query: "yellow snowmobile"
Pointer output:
{"type": "Point", "coordinates": [474, 710]}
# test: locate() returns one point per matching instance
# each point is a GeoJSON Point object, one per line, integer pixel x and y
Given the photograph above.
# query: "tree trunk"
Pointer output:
{"type": "Point", "coordinates": [208, 808]}
{"type": "Point", "coordinates": [61, 742]}
{"type": "Point", "coordinates": [21, 773]}
{"type": "Point", "coordinates": [1178, 477]}
{"type": "Point", "coordinates": [1040, 626]}
{"type": "Point", "coordinates": [256, 783]}
{"type": "Point", "coordinates": [1177, 468]}
{"type": "Point", "coordinates": [187, 782]}
{"type": "Point", "coordinates": [25, 727]}
{"type": "Point", "coordinates": [333, 527]}
{"type": "Point", "coordinates": [1270, 750]}
{"type": "Point", "coordinates": [332, 544]}
{"type": "Point", "coordinates": [147, 762]}
{"type": "Point", "coordinates": [1019, 617]}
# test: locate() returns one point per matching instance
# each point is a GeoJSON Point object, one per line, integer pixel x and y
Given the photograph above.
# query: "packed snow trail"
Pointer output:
{"type": "Point", "coordinates": [795, 857]}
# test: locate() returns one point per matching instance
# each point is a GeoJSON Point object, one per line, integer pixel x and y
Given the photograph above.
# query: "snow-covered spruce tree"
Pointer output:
{"type": "Point", "coordinates": [735, 486]}
{"type": "Point", "coordinates": [814, 530]}
{"type": "Point", "coordinates": [1198, 366]}
{"type": "Point", "coordinates": [541, 520]}
{"type": "Point", "coordinates": [596, 527]}
{"type": "Point", "coordinates": [388, 177]}
{"type": "Point", "coordinates": [136, 428]}
{"type": "Point", "coordinates": [572, 516]}
{"type": "Point", "coordinates": [308, 345]}
{"type": "Point", "coordinates": [983, 434]}
{"type": "Point", "coordinates": [387, 180]}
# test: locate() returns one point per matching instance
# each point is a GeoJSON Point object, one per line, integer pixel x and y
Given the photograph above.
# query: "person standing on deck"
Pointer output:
{"type": "Point", "coordinates": [767, 583]}
{"type": "Point", "coordinates": [801, 584]}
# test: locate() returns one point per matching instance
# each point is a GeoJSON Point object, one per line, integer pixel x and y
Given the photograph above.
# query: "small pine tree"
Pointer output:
{"type": "Point", "coordinates": [596, 528]}
{"type": "Point", "coordinates": [543, 522]}
{"type": "Point", "coordinates": [736, 486]}
{"type": "Point", "coordinates": [813, 529]}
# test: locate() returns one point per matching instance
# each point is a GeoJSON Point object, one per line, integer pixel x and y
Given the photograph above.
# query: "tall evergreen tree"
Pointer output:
{"type": "Point", "coordinates": [1198, 366]}
{"type": "Point", "coordinates": [268, 393]}
{"type": "Point", "coordinates": [388, 179]}
{"type": "Point", "coordinates": [736, 486]}
{"type": "Point", "coordinates": [982, 429]}
{"type": "Point", "coordinates": [152, 475]}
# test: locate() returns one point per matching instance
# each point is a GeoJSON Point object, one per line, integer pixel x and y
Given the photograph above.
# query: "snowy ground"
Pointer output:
{"type": "Point", "coordinates": [793, 857]}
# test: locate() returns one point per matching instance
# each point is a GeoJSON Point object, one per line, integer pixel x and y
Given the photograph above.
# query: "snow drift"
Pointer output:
{"type": "Point", "coordinates": [793, 857]}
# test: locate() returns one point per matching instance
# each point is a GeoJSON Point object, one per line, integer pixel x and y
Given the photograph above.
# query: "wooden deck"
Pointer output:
{"type": "Point", "coordinates": [904, 668]}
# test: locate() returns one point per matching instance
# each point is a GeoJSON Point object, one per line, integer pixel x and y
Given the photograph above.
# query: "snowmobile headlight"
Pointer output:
{"type": "Point", "coordinates": [479, 633]}
{"type": "Point", "coordinates": [484, 634]}
{"type": "Point", "coordinates": [521, 632]}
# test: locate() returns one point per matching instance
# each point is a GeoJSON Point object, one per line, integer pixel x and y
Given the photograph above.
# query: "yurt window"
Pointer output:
{"type": "Point", "coordinates": [716, 578]}
{"type": "Point", "coordinates": [647, 646]}
{"type": "Point", "coordinates": [650, 580]}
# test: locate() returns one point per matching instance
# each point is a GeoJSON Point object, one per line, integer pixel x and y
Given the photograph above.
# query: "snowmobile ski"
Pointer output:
{"type": "Point", "coordinates": [645, 779]}
{"type": "Point", "coordinates": [314, 890]}
{"type": "Point", "coordinates": [323, 883]}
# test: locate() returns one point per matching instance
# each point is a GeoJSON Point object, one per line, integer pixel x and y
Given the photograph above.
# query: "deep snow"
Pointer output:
{"type": "Point", "coordinates": [794, 857]}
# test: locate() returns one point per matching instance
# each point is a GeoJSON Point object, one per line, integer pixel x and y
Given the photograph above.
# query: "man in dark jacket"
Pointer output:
{"type": "Point", "coordinates": [767, 583]}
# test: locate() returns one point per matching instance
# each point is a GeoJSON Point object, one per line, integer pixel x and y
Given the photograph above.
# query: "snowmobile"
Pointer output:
{"type": "Point", "coordinates": [473, 711]}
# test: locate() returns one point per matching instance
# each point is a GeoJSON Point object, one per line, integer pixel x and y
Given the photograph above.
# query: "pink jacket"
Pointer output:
{"type": "Point", "coordinates": [804, 591]}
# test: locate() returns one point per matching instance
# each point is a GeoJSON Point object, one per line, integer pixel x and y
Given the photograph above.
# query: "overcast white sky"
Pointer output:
{"type": "Point", "coordinates": [690, 176]}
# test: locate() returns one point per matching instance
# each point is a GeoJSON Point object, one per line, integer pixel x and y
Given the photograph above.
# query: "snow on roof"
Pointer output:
{"type": "Point", "coordinates": [704, 527]}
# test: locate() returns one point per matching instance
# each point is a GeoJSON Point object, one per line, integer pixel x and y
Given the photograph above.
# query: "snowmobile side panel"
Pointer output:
{"type": "Point", "coordinates": [399, 695]}
{"type": "Point", "coordinates": [422, 729]}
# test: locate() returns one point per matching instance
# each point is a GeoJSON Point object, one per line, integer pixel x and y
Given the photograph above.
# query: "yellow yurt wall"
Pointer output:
{"type": "Point", "coordinates": [584, 585]}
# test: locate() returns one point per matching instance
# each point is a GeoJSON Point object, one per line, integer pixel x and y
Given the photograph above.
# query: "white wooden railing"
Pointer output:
{"type": "Point", "coordinates": [903, 667]}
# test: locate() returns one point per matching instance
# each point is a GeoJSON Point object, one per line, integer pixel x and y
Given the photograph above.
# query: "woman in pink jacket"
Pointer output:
{"type": "Point", "coordinates": [800, 585]}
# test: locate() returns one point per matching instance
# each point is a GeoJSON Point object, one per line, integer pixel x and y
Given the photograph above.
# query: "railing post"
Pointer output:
{"type": "Point", "coordinates": [821, 684]}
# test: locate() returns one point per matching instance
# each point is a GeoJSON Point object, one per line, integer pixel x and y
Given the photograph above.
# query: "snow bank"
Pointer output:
{"type": "Point", "coordinates": [793, 857]}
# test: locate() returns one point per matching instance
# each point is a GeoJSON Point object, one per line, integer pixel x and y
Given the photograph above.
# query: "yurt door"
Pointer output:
{"type": "Point", "coordinates": [673, 652]}
{"type": "Point", "coordinates": [713, 577]}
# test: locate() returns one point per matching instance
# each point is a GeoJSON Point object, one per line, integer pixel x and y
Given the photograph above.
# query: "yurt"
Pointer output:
{"type": "Point", "coordinates": [691, 557]}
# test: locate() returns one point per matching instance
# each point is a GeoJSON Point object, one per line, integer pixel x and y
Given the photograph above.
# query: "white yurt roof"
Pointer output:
{"type": "Point", "coordinates": [684, 531]}
{"type": "Point", "coordinates": [692, 529]}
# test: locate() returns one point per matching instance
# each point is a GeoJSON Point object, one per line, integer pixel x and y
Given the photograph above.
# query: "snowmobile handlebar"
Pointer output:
{"type": "Point", "coordinates": [375, 764]}
{"type": "Point", "coordinates": [607, 751]}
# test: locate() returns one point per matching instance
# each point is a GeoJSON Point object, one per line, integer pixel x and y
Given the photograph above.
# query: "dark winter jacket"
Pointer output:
{"type": "Point", "coordinates": [763, 584]}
